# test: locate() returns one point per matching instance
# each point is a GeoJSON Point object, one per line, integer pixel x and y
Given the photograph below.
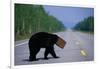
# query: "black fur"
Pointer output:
{"type": "Point", "coordinates": [42, 40]}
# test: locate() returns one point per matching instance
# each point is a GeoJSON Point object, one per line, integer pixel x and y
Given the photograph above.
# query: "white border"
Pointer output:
{"type": "Point", "coordinates": [74, 3]}
{"type": "Point", "coordinates": [81, 3]}
{"type": "Point", "coordinates": [12, 36]}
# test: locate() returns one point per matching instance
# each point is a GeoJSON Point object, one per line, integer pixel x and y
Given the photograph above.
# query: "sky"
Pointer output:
{"type": "Point", "coordinates": [69, 16]}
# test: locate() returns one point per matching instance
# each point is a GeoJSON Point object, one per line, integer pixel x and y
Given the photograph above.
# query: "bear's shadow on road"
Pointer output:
{"type": "Point", "coordinates": [39, 59]}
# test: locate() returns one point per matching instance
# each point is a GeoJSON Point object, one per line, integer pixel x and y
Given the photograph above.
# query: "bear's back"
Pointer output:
{"type": "Point", "coordinates": [43, 39]}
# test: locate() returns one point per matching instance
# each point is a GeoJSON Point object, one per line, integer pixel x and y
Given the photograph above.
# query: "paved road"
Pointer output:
{"type": "Point", "coordinates": [79, 47]}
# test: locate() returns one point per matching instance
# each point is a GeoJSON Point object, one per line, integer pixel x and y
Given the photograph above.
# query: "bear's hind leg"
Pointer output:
{"type": "Point", "coordinates": [33, 54]}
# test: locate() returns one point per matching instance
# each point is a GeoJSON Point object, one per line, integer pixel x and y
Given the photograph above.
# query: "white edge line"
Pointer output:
{"type": "Point", "coordinates": [21, 43]}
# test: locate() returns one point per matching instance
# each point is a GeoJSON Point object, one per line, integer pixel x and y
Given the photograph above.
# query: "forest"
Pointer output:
{"type": "Point", "coordinates": [86, 25]}
{"type": "Point", "coordinates": [29, 19]}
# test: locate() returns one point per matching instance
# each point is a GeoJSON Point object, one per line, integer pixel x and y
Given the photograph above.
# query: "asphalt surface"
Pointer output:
{"type": "Point", "coordinates": [79, 47]}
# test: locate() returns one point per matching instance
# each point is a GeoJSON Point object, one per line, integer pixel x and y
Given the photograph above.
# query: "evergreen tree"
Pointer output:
{"type": "Point", "coordinates": [86, 25]}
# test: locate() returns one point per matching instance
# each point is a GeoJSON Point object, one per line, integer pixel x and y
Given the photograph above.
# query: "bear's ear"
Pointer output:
{"type": "Point", "coordinates": [60, 43]}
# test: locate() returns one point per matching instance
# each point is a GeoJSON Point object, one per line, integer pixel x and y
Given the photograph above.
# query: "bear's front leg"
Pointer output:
{"type": "Point", "coordinates": [50, 49]}
{"type": "Point", "coordinates": [46, 54]}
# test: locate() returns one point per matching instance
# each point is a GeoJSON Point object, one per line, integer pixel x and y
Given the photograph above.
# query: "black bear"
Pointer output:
{"type": "Point", "coordinates": [42, 40]}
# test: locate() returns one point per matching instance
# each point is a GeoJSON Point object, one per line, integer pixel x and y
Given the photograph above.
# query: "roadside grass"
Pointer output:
{"type": "Point", "coordinates": [22, 37]}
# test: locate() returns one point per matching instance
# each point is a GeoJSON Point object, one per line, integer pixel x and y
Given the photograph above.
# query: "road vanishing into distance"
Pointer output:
{"type": "Point", "coordinates": [79, 47]}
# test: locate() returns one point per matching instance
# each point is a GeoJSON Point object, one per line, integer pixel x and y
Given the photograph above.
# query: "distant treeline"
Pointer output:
{"type": "Point", "coordinates": [33, 18]}
{"type": "Point", "coordinates": [86, 25]}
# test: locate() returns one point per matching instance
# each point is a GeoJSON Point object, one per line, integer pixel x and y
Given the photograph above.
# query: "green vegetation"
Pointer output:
{"type": "Point", "coordinates": [33, 18]}
{"type": "Point", "coordinates": [86, 25]}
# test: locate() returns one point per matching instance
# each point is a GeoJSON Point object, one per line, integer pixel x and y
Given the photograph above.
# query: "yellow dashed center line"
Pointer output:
{"type": "Point", "coordinates": [79, 44]}
{"type": "Point", "coordinates": [82, 52]}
